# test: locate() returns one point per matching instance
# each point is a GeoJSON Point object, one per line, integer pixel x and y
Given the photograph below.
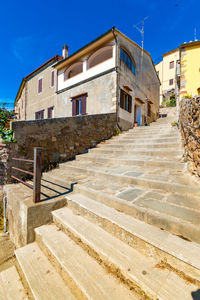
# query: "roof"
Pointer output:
{"type": "Point", "coordinates": [39, 69]}
{"type": "Point", "coordinates": [104, 37]}
{"type": "Point", "coordinates": [170, 52]}
{"type": "Point", "coordinates": [190, 44]}
{"type": "Point", "coordinates": [109, 33]}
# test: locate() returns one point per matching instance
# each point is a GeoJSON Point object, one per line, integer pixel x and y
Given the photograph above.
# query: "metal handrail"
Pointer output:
{"type": "Point", "coordinates": [37, 168]}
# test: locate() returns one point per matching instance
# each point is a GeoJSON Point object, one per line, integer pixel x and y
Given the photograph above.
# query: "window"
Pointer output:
{"type": "Point", "coordinates": [79, 105]}
{"type": "Point", "coordinates": [127, 60]}
{"type": "Point", "coordinates": [171, 81]}
{"type": "Point", "coordinates": [198, 91]}
{"type": "Point", "coordinates": [158, 73]}
{"type": "Point", "coordinates": [50, 112]}
{"type": "Point", "coordinates": [40, 86]}
{"type": "Point", "coordinates": [52, 78]}
{"type": "Point", "coordinates": [125, 101]}
{"type": "Point", "coordinates": [39, 115]}
{"type": "Point", "coordinates": [171, 64]}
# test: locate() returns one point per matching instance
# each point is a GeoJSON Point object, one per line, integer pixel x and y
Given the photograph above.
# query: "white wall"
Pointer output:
{"type": "Point", "coordinates": [86, 74]}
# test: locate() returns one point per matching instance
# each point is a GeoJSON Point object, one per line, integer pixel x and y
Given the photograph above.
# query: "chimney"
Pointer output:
{"type": "Point", "coordinates": [65, 51]}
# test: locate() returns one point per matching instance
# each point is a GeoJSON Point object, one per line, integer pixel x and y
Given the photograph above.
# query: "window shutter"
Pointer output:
{"type": "Point", "coordinates": [42, 114]}
{"type": "Point", "coordinates": [40, 85]}
{"type": "Point", "coordinates": [49, 115]}
{"type": "Point", "coordinates": [73, 107]}
{"type": "Point", "coordinates": [52, 78]}
{"type": "Point", "coordinates": [130, 104]}
{"type": "Point", "coordinates": [83, 106]}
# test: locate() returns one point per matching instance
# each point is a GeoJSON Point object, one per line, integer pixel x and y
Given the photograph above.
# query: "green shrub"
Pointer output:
{"type": "Point", "coordinates": [5, 117]}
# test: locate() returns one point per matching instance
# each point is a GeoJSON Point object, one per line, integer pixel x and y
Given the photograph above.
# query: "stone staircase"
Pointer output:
{"type": "Point", "coordinates": [130, 229]}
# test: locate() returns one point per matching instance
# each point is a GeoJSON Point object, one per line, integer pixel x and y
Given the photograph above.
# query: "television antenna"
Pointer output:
{"type": "Point", "coordinates": [141, 30]}
{"type": "Point", "coordinates": [195, 34]}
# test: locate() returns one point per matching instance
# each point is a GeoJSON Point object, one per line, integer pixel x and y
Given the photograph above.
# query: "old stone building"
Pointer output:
{"type": "Point", "coordinates": [37, 93]}
{"type": "Point", "coordinates": [112, 74]}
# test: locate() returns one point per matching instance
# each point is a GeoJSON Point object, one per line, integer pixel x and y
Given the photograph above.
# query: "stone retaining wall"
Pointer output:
{"type": "Point", "coordinates": [61, 138]}
{"type": "Point", "coordinates": [190, 131]}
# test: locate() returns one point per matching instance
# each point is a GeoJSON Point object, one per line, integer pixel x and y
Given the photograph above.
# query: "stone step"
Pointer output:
{"type": "Point", "coordinates": [144, 146]}
{"type": "Point", "coordinates": [121, 259]}
{"type": "Point", "coordinates": [43, 280]}
{"type": "Point", "coordinates": [147, 152]}
{"type": "Point", "coordinates": [149, 129]}
{"type": "Point", "coordinates": [178, 217]}
{"type": "Point", "coordinates": [133, 162]}
{"type": "Point", "coordinates": [159, 245]}
{"type": "Point", "coordinates": [143, 182]}
{"type": "Point", "coordinates": [142, 140]}
{"type": "Point", "coordinates": [80, 271]}
{"type": "Point", "coordinates": [11, 287]}
{"type": "Point", "coordinates": [149, 135]}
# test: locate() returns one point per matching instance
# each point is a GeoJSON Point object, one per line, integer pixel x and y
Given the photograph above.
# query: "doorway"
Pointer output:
{"type": "Point", "coordinates": [138, 114]}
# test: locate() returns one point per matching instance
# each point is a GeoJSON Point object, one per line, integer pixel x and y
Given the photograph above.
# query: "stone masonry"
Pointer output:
{"type": "Point", "coordinates": [190, 130]}
{"type": "Point", "coordinates": [61, 139]}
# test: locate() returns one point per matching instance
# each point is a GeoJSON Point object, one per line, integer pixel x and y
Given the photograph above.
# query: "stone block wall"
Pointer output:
{"type": "Point", "coordinates": [61, 139]}
{"type": "Point", "coordinates": [190, 131]}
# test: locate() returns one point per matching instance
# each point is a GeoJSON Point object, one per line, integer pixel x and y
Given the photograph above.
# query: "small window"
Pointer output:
{"type": "Point", "coordinates": [39, 115]}
{"type": "Point", "coordinates": [171, 64]}
{"type": "Point", "coordinates": [52, 79]}
{"type": "Point", "coordinates": [50, 112]}
{"type": "Point", "coordinates": [125, 101]}
{"type": "Point", "coordinates": [198, 91]}
{"type": "Point", "coordinates": [171, 81]}
{"type": "Point", "coordinates": [79, 105]}
{"type": "Point", "coordinates": [127, 60]}
{"type": "Point", "coordinates": [40, 86]}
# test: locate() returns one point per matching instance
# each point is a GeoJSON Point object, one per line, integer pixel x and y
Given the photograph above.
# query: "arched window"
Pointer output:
{"type": "Point", "coordinates": [198, 91]}
{"type": "Point", "coordinates": [125, 57]}
{"type": "Point", "coordinates": [73, 70]}
{"type": "Point", "coordinates": [100, 56]}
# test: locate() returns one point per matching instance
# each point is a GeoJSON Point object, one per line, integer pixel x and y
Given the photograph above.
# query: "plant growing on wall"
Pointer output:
{"type": "Point", "coordinates": [5, 117]}
{"type": "Point", "coordinates": [172, 101]}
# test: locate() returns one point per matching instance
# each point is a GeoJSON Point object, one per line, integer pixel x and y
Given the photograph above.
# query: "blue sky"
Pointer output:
{"type": "Point", "coordinates": [34, 31]}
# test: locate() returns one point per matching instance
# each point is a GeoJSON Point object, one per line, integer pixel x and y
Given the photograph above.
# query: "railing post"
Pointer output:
{"type": "Point", "coordinates": [37, 174]}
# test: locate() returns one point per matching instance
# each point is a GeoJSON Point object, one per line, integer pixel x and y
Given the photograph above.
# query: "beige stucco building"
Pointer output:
{"type": "Point", "coordinates": [189, 80]}
{"type": "Point", "coordinates": [110, 74]}
{"type": "Point", "coordinates": [166, 71]}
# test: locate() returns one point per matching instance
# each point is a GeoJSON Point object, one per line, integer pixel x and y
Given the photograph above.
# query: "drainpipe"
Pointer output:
{"type": "Point", "coordinates": [4, 214]}
{"type": "Point", "coordinates": [117, 80]}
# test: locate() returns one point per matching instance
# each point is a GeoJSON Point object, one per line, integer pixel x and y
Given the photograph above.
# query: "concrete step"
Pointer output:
{"type": "Point", "coordinates": [80, 271]}
{"type": "Point", "coordinates": [143, 182]}
{"type": "Point", "coordinates": [133, 162]}
{"type": "Point", "coordinates": [11, 287]}
{"type": "Point", "coordinates": [144, 146]}
{"type": "Point", "coordinates": [146, 152]}
{"type": "Point", "coordinates": [42, 278]}
{"type": "Point", "coordinates": [121, 259]}
{"type": "Point", "coordinates": [154, 243]}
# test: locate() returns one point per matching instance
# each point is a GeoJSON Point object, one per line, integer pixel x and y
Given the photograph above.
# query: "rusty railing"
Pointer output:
{"type": "Point", "coordinates": [37, 171]}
